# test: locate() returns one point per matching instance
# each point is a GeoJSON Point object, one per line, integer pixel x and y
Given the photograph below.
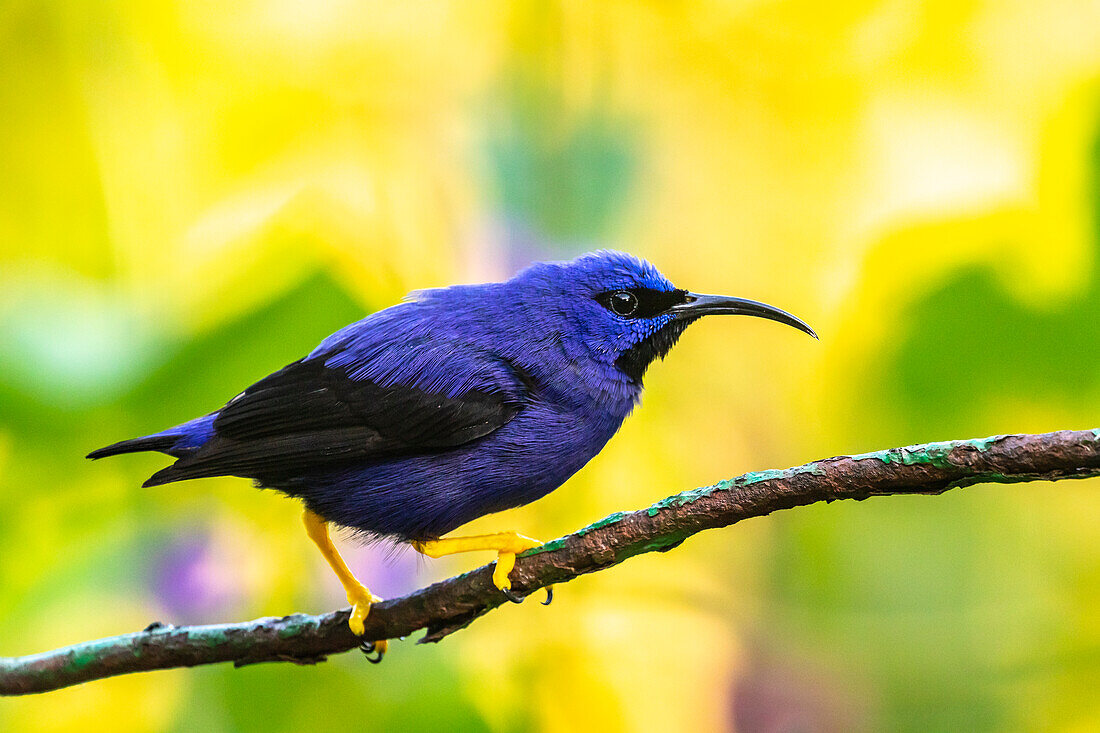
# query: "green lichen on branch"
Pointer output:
{"type": "Point", "coordinates": [453, 604]}
{"type": "Point", "coordinates": [933, 454]}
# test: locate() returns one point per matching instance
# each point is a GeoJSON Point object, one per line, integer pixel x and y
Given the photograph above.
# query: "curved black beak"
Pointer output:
{"type": "Point", "coordinates": [696, 305]}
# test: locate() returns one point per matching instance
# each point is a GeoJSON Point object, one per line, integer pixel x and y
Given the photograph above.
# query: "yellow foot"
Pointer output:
{"type": "Point", "coordinates": [507, 546]}
{"type": "Point", "coordinates": [358, 596]}
{"type": "Point", "coordinates": [361, 600]}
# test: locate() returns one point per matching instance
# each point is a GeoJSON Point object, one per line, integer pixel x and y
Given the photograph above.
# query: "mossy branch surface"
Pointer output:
{"type": "Point", "coordinates": [452, 604]}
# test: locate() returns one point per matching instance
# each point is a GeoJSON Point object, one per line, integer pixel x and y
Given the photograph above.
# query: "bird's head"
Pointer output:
{"type": "Point", "coordinates": [622, 312]}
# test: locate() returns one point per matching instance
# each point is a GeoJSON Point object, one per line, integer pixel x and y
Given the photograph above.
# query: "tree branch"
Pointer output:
{"type": "Point", "coordinates": [452, 604]}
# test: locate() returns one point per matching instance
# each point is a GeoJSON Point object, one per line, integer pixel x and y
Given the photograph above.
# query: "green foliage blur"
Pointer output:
{"type": "Point", "coordinates": [194, 194]}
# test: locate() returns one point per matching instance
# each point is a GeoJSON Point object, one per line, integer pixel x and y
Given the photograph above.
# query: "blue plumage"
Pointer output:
{"type": "Point", "coordinates": [456, 403]}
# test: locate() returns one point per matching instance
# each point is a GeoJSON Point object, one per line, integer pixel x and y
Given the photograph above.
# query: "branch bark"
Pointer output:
{"type": "Point", "coordinates": [450, 605]}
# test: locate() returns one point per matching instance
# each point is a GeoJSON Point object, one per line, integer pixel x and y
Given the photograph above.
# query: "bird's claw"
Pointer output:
{"type": "Point", "coordinates": [377, 648]}
{"type": "Point", "coordinates": [511, 596]}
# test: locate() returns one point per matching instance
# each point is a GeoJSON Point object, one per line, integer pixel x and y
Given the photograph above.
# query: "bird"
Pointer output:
{"type": "Point", "coordinates": [455, 403]}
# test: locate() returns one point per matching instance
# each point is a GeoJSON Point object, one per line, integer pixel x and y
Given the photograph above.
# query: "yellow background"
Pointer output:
{"type": "Point", "coordinates": [194, 194]}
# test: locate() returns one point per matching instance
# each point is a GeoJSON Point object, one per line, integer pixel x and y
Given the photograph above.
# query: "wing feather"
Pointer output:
{"type": "Point", "coordinates": [313, 415]}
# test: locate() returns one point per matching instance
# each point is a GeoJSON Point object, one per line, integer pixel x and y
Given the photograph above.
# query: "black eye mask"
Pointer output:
{"type": "Point", "coordinates": [640, 302]}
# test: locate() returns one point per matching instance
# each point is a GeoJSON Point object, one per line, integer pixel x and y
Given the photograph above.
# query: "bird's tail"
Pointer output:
{"type": "Point", "coordinates": [179, 441]}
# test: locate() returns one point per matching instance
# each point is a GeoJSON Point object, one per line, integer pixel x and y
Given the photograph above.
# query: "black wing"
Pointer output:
{"type": "Point", "coordinates": [309, 417]}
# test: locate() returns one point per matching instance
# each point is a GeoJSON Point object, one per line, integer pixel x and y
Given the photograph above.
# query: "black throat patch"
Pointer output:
{"type": "Point", "coordinates": [634, 361]}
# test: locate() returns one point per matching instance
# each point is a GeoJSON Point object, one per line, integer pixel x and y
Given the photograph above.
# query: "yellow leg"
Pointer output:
{"type": "Point", "coordinates": [506, 544]}
{"type": "Point", "coordinates": [358, 596]}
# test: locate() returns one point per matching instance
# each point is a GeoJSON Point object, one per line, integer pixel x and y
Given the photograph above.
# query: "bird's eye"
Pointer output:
{"type": "Point", "coordinates": [623, 302]}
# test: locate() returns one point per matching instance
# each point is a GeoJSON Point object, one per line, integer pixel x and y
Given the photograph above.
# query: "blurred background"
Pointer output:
{"type": "Point", "coordinates": [196, 193]}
